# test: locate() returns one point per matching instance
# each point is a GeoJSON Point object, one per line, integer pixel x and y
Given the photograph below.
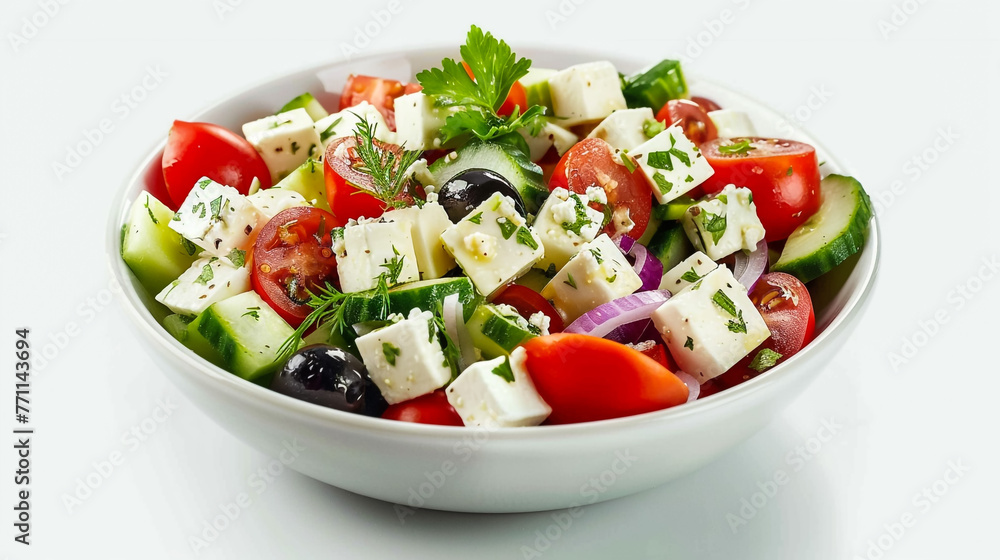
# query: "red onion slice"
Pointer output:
{"type": "Point", "coordinates": [747, 268]}
{"type": "Point", "coordinates": [694, 388]}
{"type": "Point", "coordinates": [648, 267]}
{"type": "Point", "coordinates": [605, 318]}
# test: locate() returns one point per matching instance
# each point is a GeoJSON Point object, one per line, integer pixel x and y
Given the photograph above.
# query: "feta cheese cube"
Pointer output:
{"type": "Point", "coordinates": [565, 222]}
{"type": "Point", "coordinates": [485, 396]}
{"type": "Point", "coordinates": [597, 274]}
{"type": "Point", "coordinates": [370, 248]}
{"type": "Point", "coordinates": [725, 223]}
{"type": "Point", "coordinates": [672, 164]}
{"type": "Point", "coordinates": [586, 93]}
{"type": "Point", "coordinates": [344, 123]}
{"type": "Point", "coordinates": [208, 280]}
{"type": "Point", "coordinates": [285, 141]}
{"type": "Point", "coordinates": [624, 129]}
{"type": "Point", "coordinates": [731, 123]}
{"type": "Point", "coordinates": [269, 202]}
{"type": "Point", "coordinates": [710, 325]}
{"type": "Point", "coordinates": [550, 135]}
{"type": "Point", "coordinates": [418, 121]}
{"type": "Point", "coordinates": [427, 223]}
{"type": "Point", "coordinates": [493, 244]}
{"type": "Point", "coordinates": [405, 359]}
{"type": "Point", "coordinates": [687, 272]}
{"type": "Point", "coordinates": [217, 218]}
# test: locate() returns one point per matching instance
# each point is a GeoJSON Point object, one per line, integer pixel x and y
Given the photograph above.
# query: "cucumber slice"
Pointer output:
{"type": "Point", "coordinates": [495, 334]}
{"type": "Point", "coordinates": [307, 180]}
{"type": "Point", "coordinates": [177, 325]}
{"type": "Point", "coordinates": [536, 86]}
{"type": "Point", "coordinates": [656, 85]}
{"type": "Point", "coordinates": [308, 102]}
{"type": "Point", "coordinates": [651, 227]}
{"type": "Point", "coordinates": [506, 160]}
{"type": "Point", "coordinates": [196, 342]}
{"type": "Point", "coordinates": [424, 295]}
{"type": "Point", "coordinates": [670, 244]}
{"type": "Point", "coordinates": [156, 254]}
{"type": "Point", "coordinates": [835, 232]}
{"type": "Point", "coordinates": [247, 335]}
{"type": "Point", "coordinates": [673, 210]}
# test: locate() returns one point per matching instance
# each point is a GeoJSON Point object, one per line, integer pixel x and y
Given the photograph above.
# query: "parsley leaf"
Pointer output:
{"type": "Point", "coordinates": [189, 248]}
{"type": "Point", "coordinates": [722, 300]}
{"type": "Point", "coordinates": [525, 238]}
{"type": "Point", "coordinates": [507, 227]}
{"type": "Point", "coordinates": [736, 148]}
{"type": "Point", "coordinates": [504, 370]}
{"type": "Point", "coordinates": [581, 220]}
{"type": "Point", "coordinates": [206, 275]}
{"type": "Point", "coordinates": [390, 352]}
{"type": "Point", "coordinates": [715, 224]}
{"type": "Point", "coordinates": [486, 126]}
{"type": "Point", "coordinates": [661, 182]}
{"type": "Point", "coordinates": [690, 276]}
{"type": "Point", "coordinates": [662, 159]}
{"type": "Point", "coordinates": [765, 359]}
{"type": "Point", "coordinates": [238, 257]}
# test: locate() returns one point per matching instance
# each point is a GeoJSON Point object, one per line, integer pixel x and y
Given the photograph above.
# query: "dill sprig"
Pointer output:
{"type": "Point", "coordinates": [387, 168]}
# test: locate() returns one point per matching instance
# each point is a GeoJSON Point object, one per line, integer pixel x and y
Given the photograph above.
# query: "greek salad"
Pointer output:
{"type": "Point", "coordinates": [495, 244]}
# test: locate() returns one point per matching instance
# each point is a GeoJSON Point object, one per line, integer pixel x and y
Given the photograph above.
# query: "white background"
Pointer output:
{"type": "Point", "coordinates": [877, 96]}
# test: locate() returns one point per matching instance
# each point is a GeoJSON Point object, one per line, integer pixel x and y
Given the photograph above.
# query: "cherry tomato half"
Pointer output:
{"type": "Point", "coordinates": [782, 174]}
{"type": "Point", "coordinates": [692, 119]}
{"type": "Point", "coordinates": [591, 163]}
{"type": "Point", "coordinates": [348, 188]}
{"type": "Point", "coordinates": [585, 378]}
{"type": "Point", "coordinates": [432, 408]}
{"type": "Point", "coordinates": [292, 256]}
{"type": "Point", "coordinates": [378, 92]}
{"type": "Point", "coordinates": [528, 302]}
{"type": "Point", "coordinates": [787, 309]}
{"type": "Point", "coordinates": [707, 104]}
{"type": "Point", "coordinates": [195, 150]}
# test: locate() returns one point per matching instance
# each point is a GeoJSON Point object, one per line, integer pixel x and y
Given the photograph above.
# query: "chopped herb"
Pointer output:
{"type": "Point", "coordinates": [742, 147]}
{"type": "Point", "coordinates": [550, 272]}
{"type": "Point", "coordinates": [507, 227]}
{"type": "Point", "coordinates": [627, 162]}
{"type": "Point", "coordinates": [206, 275]}
{"type": "Point", "coordinates": [581, 220]}
{"type": "Point", "coordinates": [452, 355]}
{"type": "Point", "coordinates": [689, 343]}
{"type": "Point", "coordinates": [295, 147]}
{"type": "Point", "coordinates": [664, 185]}
{"type": "Point", "coordinates": [238, 257]}
{"type": "Point", "coordinates": [697, 285]}
{"type": "Point", "coordinates": [739, 325]}
{"type": "Point", "coordinates": [326, 134]}
{"type": "Point", "coordinates": [195, 210]}
{"type": "Point", "coordinates": [723, 198]}
{"type": "Point", "coordinates": [764, 360]}
{"type": "Point", "coordinates": [612, 279]}
{"type": "Point", "coordinates": [714, 224]}
{"type": "Point", "coordinates": [789, 172]}
{"type": "Point", "coordinates": [393, 267]}
{"type": "Point", "coordinates": [597, 255]}
{"type": "Point", "coordinates": [821, 164]}
{"type": "Point", "coordinates": [477, 219]}
{"type": "Point", "coordinates": [569, 281]}
{"type": "Point", "coordinates": [525, 238]}
{"type": "Point", "coordinates": [652, 128]}
{"type": "Point", "coordinates": [750, 198]}
{"type": "Point", "coordinates": [252, 312]}
{"type": "Point", "coordinates": [189, 248]}
{"type": "Point", "coordinates": [722, 300]}
{"type": "Point", "coordinates": [390, 352]}
{"type": "Point", "coordinates": [689, 179]}
{"type": "Point", "coordinates": [276, 124]}
{"type": "Point", "coordinates": [204, 183]}
{"type": "Point", "coordinates": [662, 160]}
{"type": "Point", "coordinates": [690, 276]}
{"type": "Point", "coordinates": [216, 205]}
{"type": "Point", "coordinates": [504, 370]}
{"type": "Point", "coordinates": [150, 210]}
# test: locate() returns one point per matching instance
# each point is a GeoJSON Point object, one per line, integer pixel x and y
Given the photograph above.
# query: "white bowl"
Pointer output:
{"type": "Point", "coordinates": [510, 470]}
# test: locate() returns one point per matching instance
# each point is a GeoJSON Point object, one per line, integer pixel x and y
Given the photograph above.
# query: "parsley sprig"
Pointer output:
{"type": "Point", "coordinates": [387, 167]}
{"type": "Point", "coordinates": [496, 68]}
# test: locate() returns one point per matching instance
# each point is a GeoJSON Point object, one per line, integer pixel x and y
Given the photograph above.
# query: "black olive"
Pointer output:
{"type": "Point", "coordinates": [330, 377]}
{"type": "Point", "coordinates": [470, 188]}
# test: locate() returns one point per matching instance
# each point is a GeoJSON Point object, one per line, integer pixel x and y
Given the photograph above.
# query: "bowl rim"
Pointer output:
{"type": "Point", "coordinates": [260, 396]}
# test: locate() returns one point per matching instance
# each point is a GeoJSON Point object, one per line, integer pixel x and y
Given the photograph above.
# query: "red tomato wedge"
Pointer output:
{"type": "Point", "coordinates": [782, 174]}
{"type": "Point", "coordinates": [691, 117]}
{"type": "Point", "coordinates": [787, 309]}
{"type": "Point", "coordinates": [432, 408]}
{"type": "Point", "coordinates": [592, 163]}
{"type": "Point", "coordinates": [528, 302]}
{"type": "Point", "coordinates": [585, 378]}
{"type": "Point", "coordinates": [195, 150]}
{"type": "Point", "coordinates": [293, 255]}
{"type": "Point", "coordinates": [379, 92]}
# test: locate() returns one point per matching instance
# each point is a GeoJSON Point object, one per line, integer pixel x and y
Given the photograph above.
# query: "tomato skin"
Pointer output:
{"type": "Point", "coordinates": [707, 104]}
{"type": "Point", "coordinates": [782, 174]}
{"type": "Point", "coordinates": [692, 119]}
{"type": "Point", "coordinates": [432, 408]}
{"type": "Point", "coordinates": [195, 150]}
{"type": "Point", "coordinates": [347, 189]}
{"type": "Point", "coordinates": [592, 159]}
{"type": "Point", "coordinates": [786, 306]}
{"type": "Point", "coordinates": [379, 92]}
{"type": "Point", "coordinates": [658, 353]}
{"type": "Point", "coordinates": [287, 252]}
{"type": "Point", "coordinates": [528, 302]}
{"type": "Point", "coordinates": [585, 378]}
